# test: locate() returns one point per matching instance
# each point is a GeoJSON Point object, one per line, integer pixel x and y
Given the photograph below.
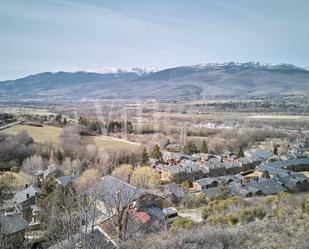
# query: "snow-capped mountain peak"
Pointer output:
{"type": "Point", "coordinates": [117, 70]}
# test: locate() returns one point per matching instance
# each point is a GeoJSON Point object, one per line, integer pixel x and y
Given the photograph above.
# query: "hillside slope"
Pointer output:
{"type": "Point", "coordinates": [228, 79]}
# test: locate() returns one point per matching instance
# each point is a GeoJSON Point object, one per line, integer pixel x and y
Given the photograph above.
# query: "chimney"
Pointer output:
{"type": "Point", "coordinates": [26, 186]}
{"type": "Point", "coordinates": [27, 196]}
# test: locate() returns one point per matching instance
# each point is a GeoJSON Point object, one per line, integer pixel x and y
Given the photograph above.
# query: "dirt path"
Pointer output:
{"type": "Point", "coordinates": [9, 125]}
{"type": "Point", "coordinates": [119, 139]}
{"type": "Point", "coordinates": [194, 215]}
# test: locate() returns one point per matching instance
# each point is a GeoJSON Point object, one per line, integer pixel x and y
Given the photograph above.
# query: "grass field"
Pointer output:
{"type": "Point", "coordinates": [280, 117]}
{"type": "Point", "coordinates": [105, 142]}
{"type": "Point", "coordinates": [39, 134]}
{"type": "Point", "coordinates": [52, 134]}
{"type": "Point", "coordinates": [26, 110]}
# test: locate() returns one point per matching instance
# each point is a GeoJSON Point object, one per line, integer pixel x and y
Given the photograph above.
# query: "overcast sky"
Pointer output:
{"type": "Point", "coordinates": [70, 35]}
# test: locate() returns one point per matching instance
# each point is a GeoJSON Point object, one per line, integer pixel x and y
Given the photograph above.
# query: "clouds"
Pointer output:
{"type": "Point", "coordinates": [62, 34]}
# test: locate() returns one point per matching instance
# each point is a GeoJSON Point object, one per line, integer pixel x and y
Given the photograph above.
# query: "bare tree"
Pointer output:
{"type": "Point", "coordinates": [33, 164]}
{"type": "Point", "coordinates": [71, 141]}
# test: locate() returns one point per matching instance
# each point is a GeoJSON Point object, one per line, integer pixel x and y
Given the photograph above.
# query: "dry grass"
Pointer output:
{"type": "Point", "coordinates": [16, 180]}
{"type": "Point", "coordinates": [106, 142]}
{"type": "Point", "coordinates": [279, 117]}
{"type": "Point", "coordinates": [39, 134]}
{"type": "Point", "coordinates": [306, 173]}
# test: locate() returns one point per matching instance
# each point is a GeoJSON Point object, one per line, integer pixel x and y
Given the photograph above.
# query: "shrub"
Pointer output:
{"type": "Point", "coordinates": [231, 219]}
{"type": "Point", "coordinates": [206, 212]}
{"type": "Point", "coordinates": [191, 201]}
{"type": "Point", "coordinates": [201, 198]}
{"type": "Point", "coordinates": [269, 199]}
{"type": "Point", "coordinates": [222, 219]}
{"type": "Point", "coordinates": [259, 213]}
{"type": "Point", "coordinates": [304, 205]}
{"type": "Point", "coordinates": [181, 223]}
{"type": "Point", "coordinates": [245, 215]}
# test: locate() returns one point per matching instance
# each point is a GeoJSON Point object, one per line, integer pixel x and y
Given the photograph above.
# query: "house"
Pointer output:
{"type": "Point", "coordinates": [96, 239]}
{"type": "Point", "coordinates": [261, 155]}
{"type": "Point", "coordinates": [172, 157]}
{"type": "Point", "coordinates": [175, 190]}
{"type": "Point", "coordinates": [211, 193]}
{"type": "Point", "coordinates": [186, 170]}
{"type": "Point", "coordinates": [26, 198]}
{"type": "Point", "coordinates": [139, 222]}
{"type": "Point", "coordinates": [214, 169]}
{"type": "Point", "coordinates": [206, 183]}
{"type": "Point", "coordinates": [287, 167]}
{"type": "Point", "coordinates": [167, 195]}
{"type": "Point", "coordinates": [248, 163]}
{"type": "Point", "coordinates": [233, 167]}
{"type": "Point", "coordinates": [257, 188]}
{"type": "Point", "coordinates": [12, 231]}
{"type": "Point", "coordinates": [294, 183]}
{"type": "Point", "coordinates": [64, 180]}
{"type": "Point", "coordinates": [45, 174]}
{"type": "Point", "coordinates": [174, 147]}
{"type": "Point", "coordinates": [142, 212]}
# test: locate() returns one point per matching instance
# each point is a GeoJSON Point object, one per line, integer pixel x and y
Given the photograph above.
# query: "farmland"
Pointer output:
{"type": "Point", "coordinates": [52, 134]}
{"type": "Point", "coordinates": [39, 134]}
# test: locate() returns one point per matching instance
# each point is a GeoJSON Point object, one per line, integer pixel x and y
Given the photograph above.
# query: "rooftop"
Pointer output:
{"type": "Point", "coordinates": [25, 194]}
{"type": "Point", "coordinates": [12, 223]}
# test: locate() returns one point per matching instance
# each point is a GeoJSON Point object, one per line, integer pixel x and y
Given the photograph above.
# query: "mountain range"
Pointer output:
{"type": "Point", "coordinates": [185, 82]}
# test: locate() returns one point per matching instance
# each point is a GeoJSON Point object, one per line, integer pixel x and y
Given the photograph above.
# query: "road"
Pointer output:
{"type": "Point", "coordinates": [119, 139]}
{"type": "Point", "coordinates": [9, 125]}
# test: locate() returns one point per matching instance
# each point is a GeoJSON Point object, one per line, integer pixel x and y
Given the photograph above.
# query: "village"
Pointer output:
{"type": "Point", "coordinates": [118, 209]}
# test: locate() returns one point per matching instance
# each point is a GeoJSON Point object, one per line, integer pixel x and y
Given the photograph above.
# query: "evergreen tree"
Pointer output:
{"type": "Point", "coordinates": [307, 142]}
{"type": "Point", "coordinates": [58, 118]}
{"type": "Point", "coordinates": [240, 152]}
{"type": "Point", "coordinates": [204, 148]}
{"type": "Point", "coordinates": [275, 150]}
{"type": "Point", "coordinates": [145, 156]}
{"type": "Point", "coordinates": [156, 153]}
{"type": "Point", "coordinates": [189, 148]}
{"type": "Point", "coordinates": [266, 174]}
{"type": "Point", "coordinates": [59, 156]}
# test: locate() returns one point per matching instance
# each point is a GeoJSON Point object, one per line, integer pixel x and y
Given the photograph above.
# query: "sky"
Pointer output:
{"type": "Point", "coordinates": [71, 35]}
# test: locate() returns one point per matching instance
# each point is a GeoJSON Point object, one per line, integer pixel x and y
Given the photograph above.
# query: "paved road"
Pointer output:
{"type": "Point", "coordinates": [9, 125]}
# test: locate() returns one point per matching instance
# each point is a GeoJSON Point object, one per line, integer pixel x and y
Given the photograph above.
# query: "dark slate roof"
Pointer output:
{"type": "Point", "coordinates": [207, 181]}
{"type": "Point", "coordinates": [175, 189]}
{"type": "Point", "coordinates": [98, 240]}
{"type": "Point", "coordinates": [64, 180]}
{"type": "Point", "coordinates": [12, 223]}
{"type": "Point", "coordinates": [230, 165]}
{"type": "Point", "coordinates": [292, 181]}
{"type": "Point", "coordinates": [279, 167]}
{"type": "Point", "coordinates": [211, 192]}
{"type": "Point", "coordinates": [94, 240]}
{"type": "Point", "coordinates": [185, 167]}
{"type": "Point", "coordinates": [262, 154]}
{"type": "Point", "coordinates": [268, 186]}
{"type": "Point", "coordinates": [289, 163]}
{"type": "Point", "coordinates": [113, 190]}
{"type": "Point", "coordinates": [21, 196]}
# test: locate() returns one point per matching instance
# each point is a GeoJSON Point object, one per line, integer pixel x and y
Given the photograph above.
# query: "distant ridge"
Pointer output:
{"type": "Point", "coordinates": [185, 82]}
